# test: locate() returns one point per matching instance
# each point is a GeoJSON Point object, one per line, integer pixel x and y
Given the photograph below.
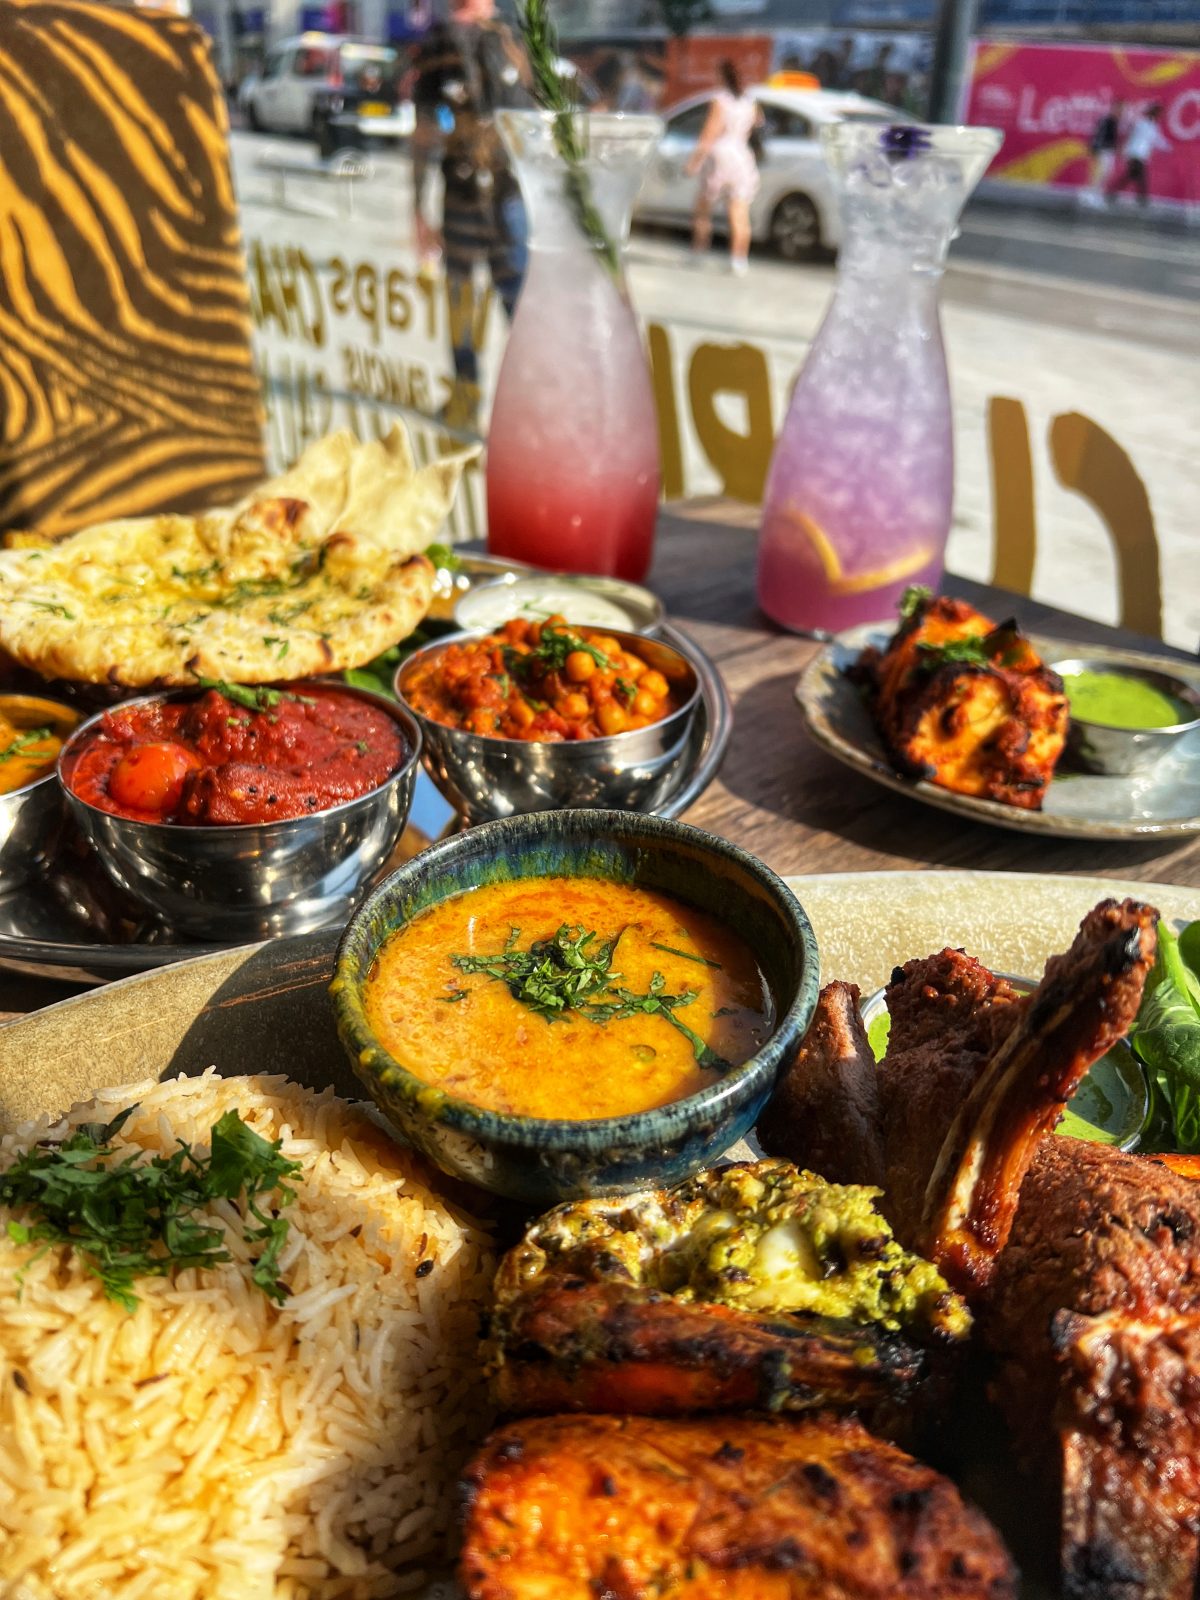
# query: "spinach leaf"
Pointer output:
{"type": "Point", "coordinates": [1166, 1036]}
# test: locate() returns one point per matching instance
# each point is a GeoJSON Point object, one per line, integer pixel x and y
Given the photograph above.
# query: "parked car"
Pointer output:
{"type": "Point", "coordinates": [330, 86]}
{"type": "Point", "coordinates": [795, 210]}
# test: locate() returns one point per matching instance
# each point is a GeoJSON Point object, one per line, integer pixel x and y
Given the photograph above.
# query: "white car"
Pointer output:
{"type": "Point", "coordinates": [314, 77]}
{"type": "Point", "coordinates": [795, 210]}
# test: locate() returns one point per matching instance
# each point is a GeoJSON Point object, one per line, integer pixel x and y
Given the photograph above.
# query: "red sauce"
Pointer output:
{"type": "Point", "coordinates": [212, 760]}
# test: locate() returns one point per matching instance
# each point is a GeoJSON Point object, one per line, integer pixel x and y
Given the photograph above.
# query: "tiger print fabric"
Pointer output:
{"type": "Point", "coordinates": [126, 378]}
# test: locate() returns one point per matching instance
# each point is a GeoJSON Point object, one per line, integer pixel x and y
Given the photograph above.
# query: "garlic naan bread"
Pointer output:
{"type": "Point", "coordinates": [321, 569]}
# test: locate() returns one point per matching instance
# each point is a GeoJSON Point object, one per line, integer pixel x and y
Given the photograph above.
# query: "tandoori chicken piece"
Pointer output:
{"type": "Point", "coordinates": [753, 1284]}
{"type": "Point", "coordinates": [1085, 1003]}
{"type": "Point", "coordinates": [824, 1112]}
{"type": "Point", "coordinates": [1086, 1280]}
{"type": "Point", "coordinates": [966, 703]}
{"type": "Point", "coordinates": [638, 1508]}
{"type": "Point", "coordinates": [1094, 1316]}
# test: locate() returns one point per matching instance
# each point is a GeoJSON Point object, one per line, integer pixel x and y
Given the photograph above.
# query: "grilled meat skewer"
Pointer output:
{"type": "Point", "coordinates": [751, 1285]}
{"type": "Point", "coordinates": [638, 1508]}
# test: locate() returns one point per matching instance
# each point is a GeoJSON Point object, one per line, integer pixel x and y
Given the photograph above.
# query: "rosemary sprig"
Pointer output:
{"type": "Point", "coordinates": [554, 94]}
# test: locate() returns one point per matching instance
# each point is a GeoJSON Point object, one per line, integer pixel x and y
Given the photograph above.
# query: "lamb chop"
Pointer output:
{"type": "Point", "coordinates": [633, 1508]}
{"type": "Point", "coordinates": [1083, 1264]}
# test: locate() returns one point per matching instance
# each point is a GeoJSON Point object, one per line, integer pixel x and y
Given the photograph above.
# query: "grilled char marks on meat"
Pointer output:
{"type": "Point", "coordinates": [948, 1014]}
{"type": "Point", "coordinates": [1094, 1314]}
{"type": "Point", "coordinates": [635, 1508]}
{"type": "Point", "coordinates": [606, 1347]}
{"type": "Point", "coordinates": [824, 1113]}
{"type": "Point", "coordinates": [966, 704]}
{"type": "Point", "coordinates": [1085, 1003]}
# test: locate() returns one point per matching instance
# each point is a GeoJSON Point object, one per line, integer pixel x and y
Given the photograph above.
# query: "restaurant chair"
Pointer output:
{"type": "Point", "coordinates": [1089, 462]}
{"type": "Point", "coordinates": [127, 384]}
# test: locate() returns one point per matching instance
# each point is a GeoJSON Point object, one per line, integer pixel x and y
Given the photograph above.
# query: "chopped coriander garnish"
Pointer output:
{"type": "Point", "coordinates": [254, 699]}
{"type": "Point", "coordinates": [130, 1218]}
{"type": "Point", "coordinates": [443, 556]}
{"type": "Point", "coordinates": [53, 608]}
{"type": "Point", "coordinates": [572, 972]}
{"type": "Point", "coordinates": [687, 955]}
{"type": "Point", "coordinates": [454, 995]}
{"type": "Point", "coordinates": [24, 743]}
{"type": "Point", "coordinates": [972, 651]}
{"type": "Point", "coordinates": [911, 601]}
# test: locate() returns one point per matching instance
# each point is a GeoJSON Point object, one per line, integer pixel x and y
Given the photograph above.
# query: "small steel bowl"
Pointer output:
{"type": "Point", "coordinates": [487, 778]}
{"type": "Point", "coordinates": [1110, 1106]}
{"type": "Point", "coordinates": [31, 822]}
{"type": "Point", "coordinates": [540, 1161]}
{"type": "Point", "coordinates": [643, 609]}
{"type": "Point", "coordinates": [1124, 751]}
{"type": "Point", "coordinates": [247, 881]}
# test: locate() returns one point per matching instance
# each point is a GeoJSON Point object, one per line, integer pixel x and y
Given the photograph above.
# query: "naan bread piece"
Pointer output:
{"type": "Point", "coordinates": [320, 570]}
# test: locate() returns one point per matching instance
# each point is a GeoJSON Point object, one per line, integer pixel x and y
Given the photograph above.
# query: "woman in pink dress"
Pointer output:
{"type": "Point", "coordinates": [730, 168]}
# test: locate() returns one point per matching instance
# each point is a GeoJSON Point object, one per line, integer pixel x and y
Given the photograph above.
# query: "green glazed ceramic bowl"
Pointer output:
{"type": "Point", "coordinates": [541, 1161]}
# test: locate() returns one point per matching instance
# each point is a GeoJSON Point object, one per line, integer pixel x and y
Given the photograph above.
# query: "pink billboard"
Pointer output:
{"type": "Point", "coordinates": [1049, 99]}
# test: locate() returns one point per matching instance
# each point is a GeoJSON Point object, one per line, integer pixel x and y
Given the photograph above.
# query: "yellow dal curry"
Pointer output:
{"type": "Point", "coordinates": [32, 732]}
{"type": "Point", "coordinates": [567, 997]}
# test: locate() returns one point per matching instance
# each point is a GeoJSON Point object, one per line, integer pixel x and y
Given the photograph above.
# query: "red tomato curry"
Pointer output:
{"type": "Point", "coordinates": [249, 755]}
{"type": "Point", "coordinates": [567, 997]}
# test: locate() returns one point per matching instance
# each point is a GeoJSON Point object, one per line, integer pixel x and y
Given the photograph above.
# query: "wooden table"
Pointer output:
{"type": "Point", "coordinates": [788, 801]}
{"type": "Point", "coordinates": [779, 794]}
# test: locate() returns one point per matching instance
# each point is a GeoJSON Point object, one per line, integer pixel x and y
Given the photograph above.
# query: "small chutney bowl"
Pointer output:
{"type": "Point", "coordinates": [242, 881]}
{"type": "Point", "coordinates": [1101, 747]}
{"type": "Point", "coordinates": [487, 778]}
{"type": "Point", "coordinates": [589, 602]}
{"type": "Point", "coordinates": [32, 815]}
{"type": "Point", "coordinates": [1110, 1106]}
{"type": "Point", "coordinates": [540, 1161]}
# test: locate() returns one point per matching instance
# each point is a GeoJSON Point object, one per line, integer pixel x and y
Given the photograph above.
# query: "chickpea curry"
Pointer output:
{"type": "Point", "coordinates": [541, 681]}
{"type": "Point", "coordinates": [568, 997]}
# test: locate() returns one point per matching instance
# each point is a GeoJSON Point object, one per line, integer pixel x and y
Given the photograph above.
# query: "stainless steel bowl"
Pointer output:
{"type": "Point", "coordinates": [253, 880]}
{"type": "Point", "coordinates": [32, 817]}
{"type": "Point", "coordinates": [31, 820]}
{"type": "Point", "coordinates": [487, 778]}
{"type": "Point", "coordinates": [1124, 751]}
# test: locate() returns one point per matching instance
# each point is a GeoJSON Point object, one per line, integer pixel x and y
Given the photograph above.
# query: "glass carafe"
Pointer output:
{"type": "Point", "coordinates": [859, 495]}
{"type": "Point", "coordinates": [572, 456]}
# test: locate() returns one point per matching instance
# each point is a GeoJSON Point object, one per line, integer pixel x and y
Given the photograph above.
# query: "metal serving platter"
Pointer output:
{"type": "Point", "coordinates": [72, 922]}
{"type": "Point", "coordinates": [1163, 802]}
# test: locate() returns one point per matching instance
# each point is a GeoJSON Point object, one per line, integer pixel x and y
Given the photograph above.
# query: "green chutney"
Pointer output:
{"type": "Point", "coordinates": [1117, 701]}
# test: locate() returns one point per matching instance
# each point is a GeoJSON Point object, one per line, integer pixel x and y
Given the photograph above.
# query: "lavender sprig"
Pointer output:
{"type": "Point", "coordinates": [555, 94]}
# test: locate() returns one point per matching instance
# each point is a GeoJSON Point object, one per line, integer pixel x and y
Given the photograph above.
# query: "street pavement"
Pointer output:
{"type": "Point", "coordinates": [1067, 312]}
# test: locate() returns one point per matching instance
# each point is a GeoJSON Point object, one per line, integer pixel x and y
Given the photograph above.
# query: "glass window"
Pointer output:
{"type": "Point", "coordinates": [781, 124]}
{"type": "Point", "coordinates": [312, 63]}
{"type": "Point", "coordinates": [379, 67]}
{"type": "Point", "coordinates": [687, 124]}
{"type": "Point", "coordinates": [274, 63]}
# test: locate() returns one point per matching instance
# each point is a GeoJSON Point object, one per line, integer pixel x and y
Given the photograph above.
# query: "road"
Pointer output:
{"type": "Point", "coordinates": [1099, 315]}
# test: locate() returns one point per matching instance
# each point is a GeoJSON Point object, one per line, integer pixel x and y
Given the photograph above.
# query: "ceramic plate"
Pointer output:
{"type": "Point", "coordinates": [266, 1009]}
{"type": "Point", "coordinates": [1161, 803]}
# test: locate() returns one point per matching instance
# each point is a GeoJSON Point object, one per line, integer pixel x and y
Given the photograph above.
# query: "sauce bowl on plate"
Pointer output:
{"type": "Point", "coordinates": [1123, 748]}
{"type": "Point", "coordinates": [540, 1160]}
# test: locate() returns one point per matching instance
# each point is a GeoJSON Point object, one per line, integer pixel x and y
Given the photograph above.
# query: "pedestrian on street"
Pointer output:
{"type": "Point", "coordinates": [1105, 139]}
{"type": "Point", "coordinates": [467, 69]}
{"type": "Point", "coordinates": [1143, 139]}
{"type": "Point", "coordinates": [730, 168]}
